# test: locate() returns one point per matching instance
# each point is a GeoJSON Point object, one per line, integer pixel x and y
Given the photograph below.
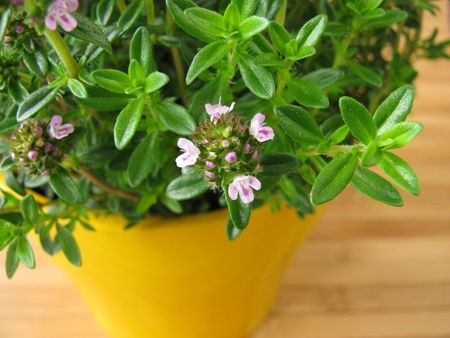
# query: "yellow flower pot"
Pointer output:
{"type": "Point", "coordinates": [181, 277]}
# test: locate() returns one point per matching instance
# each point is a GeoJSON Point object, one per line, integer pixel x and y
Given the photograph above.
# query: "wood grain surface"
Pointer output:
{"type": "Point", "coordinates": [367, 270]}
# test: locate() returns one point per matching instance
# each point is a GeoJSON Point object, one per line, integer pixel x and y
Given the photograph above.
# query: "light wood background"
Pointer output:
{"type": "Point", "coordinates": [367, 271]}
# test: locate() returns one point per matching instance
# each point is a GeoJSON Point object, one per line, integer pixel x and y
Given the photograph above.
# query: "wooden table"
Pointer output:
{"type": "Point", "coordinates": [367, 271]}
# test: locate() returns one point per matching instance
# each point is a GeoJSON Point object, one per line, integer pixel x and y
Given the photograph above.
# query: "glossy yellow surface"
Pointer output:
{"type": "Point", "coordinates": [181, 277]}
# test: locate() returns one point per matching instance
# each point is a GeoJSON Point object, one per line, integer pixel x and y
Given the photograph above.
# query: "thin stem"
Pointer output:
{"type": "Point", "coordinates": [121, 5]}
{"type": "Point", "coordinates": [178, 62]}
{"type": "Point", "coordinates": [150, 9]}
{"type": "Point", "coordinates": [283, 78]}
{"type": "Point", "coordinates": [331, 152]}
{"type": "Point", "coordinates": [63, 51]}
{"type": "Point", "coordinates": [99, 183]}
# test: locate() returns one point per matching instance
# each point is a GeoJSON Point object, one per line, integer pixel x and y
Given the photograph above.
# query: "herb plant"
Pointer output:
{"type": "Point", "coordinates": [176, 107]}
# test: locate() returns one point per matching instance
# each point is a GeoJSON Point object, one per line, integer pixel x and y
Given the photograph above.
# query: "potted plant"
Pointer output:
{"type": "Point", "coordinates": [177, 149]}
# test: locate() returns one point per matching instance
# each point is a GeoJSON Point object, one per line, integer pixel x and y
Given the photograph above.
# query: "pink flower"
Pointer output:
{"type": "Point", "coordinates": [217, 110]}
{"type": "Point", "coordinates": [242, 186]}
{"type": "Point", "coordinates": [190, 153]}
{"type": "Point", "coordinates": [59, 12]}
{"type": "Point", "coordinates": [210, 164]}
{"type": "Point", "coordinates": [231, 157]}
{"type": "Point", "coordinates": [259, 130]}
{"type": "Point", "coordinates": [58, 130]}
{"type": "Point", "coordinates": [209, 174]}
{"type": "Point", "coordinates": [32, 154]}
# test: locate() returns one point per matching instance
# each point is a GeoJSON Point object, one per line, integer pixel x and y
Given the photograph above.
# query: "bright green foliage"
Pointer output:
{"type": "Point", "coordinates": [128, 86]}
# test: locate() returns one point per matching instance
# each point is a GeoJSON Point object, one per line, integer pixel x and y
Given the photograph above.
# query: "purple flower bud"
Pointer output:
{"type": "Point", "coordinates": [247, 148]}
{"type": "Point", "coordinates": [45, 173]}
{"type": "Point", "coordinates": [34, 20]}
{"type": "Point", "coordinates": [38, 131]}
{"type": "Point", "coordinates": [209, 174]}
{"type": "Point", "coordinates": [32, 154]}
{"type": "Point", "coordinates": [255, 155]}
{"type": "Point", "coordinates": [21, 160]}
{"type": "Point", "coordinates": [225, 144]}
{"type": "Point", "coordinates": [210, 164]}
{"type": "Point", "coordinates": [231, 157]}
{"type": "Point", "coordinates": [19, 29]}
{"type": "Point", "coordinates": [16, 2]}
{"type": "Point", "coordinates": [56, 151]}
{"type": "Point", "coordinates": [6, 38]}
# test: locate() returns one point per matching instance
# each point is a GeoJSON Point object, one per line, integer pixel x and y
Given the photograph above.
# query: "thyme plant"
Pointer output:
{"type": "Point", "coordinates": [163, 108]}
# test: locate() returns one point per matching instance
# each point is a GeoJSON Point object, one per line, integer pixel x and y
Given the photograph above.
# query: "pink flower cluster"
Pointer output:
{"type": "Point", "coordinates": [59, 13]}
{"type": "Point", "coordinates": [242, 186]}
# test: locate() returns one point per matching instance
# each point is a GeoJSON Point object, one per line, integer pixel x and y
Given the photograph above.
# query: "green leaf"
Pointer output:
{"type": "Point", "coordinates": [275, 164]}
{"type": "Point", "coordinates": [390, 17]}
{"type": "Point", "coordinates": [29, 209]}
{"type": "Point", "coordinates": [88, 31]}
{"type": "Point", "coordinates": [232, 18]}
{"type": "Point", "coordinates": [324, 77]}
{"type": "Point", "coordinates": [246, 7]}
{"type": "Point", "coordinates": [64, 186]}
{"type": "Point", "coordinates": [372, 155]}
{"type": "Point", "coordinates": [395, 108]}
{"type": "Point", "coordinates": [187, 186]}
{"type": "Point", "coordinates": [239, 212]}
{"type": "Point", "coordinates": [141, 50]}
{"type": "Point", "coordinates": [209, 21]}
{"type": "Point", "coordinates": [366, 74]}
{"type": "Point", "coordinates": [374, 186]}
{"type": "Point", "coordinates": [333, 178]}
{"type": "Point", "coordinates": [130, 15]}
{"type": "Point", "coordinates": [4, 22]}
{"type": "Point", "coordinates": [258, 79]}
{"type": "Point", "coordinates": [339, 135]}
{"type": "Point", "coordinates": [302, 53]}
{"type": "Point", "coordinates": [155, 81]}
{"type": "Point", "coordinates": [103, 100]}
{"type": "Point", "coordinates": [298, 124]}
{"type": "Point", "coordinates": [402, 133]}
{"type": "Point", "coordinates": [307, 93]}
{"type": "Point", "coordinates": [232, 231]}
{"type": "Point", "coordinates": [358, 119]}
{"type": "Point", "coordinates": [294, 194]}
{"type": "Point", "coordinates": [6, 233]}
{"type": "Point", "coordinates": [400, 172]}
{"type": "Point", "coordinates": [24, 252]}
{"type": "Point", "coordinates": [112, 79]}
{"type": "Point", "coordinates": [207, 56]}
{"type": "Point", "coordinates": [127, 122]}
{"type": "Point", "coordinates": [36, 62]}
{"type": "Point", "coordinates": [68, 245]}
{"type": "Point", "coordinates": [13, 183]}
{"type": "Point", "coordinates": [35, 102]}
{"type": "Point", "coordinates": [104, 11]}
{"type": "Point", "coordinates": [252, 26]}
{"type": "Point", "coordinates": [144, 160]}
{"type": "Point", "coordinates": [12, 260]}
{"type": "Point", "coordinates": [17, 91]}
{"type": "Point", "coordinates": [280, 36]}
{"type": "Point", "coordinates": [311, 31]}
{"type": "Point", "coordinates": [175, 118]}
{"type": "Point", "coordinates": [177, 8]}
{"type": "Point", "coordinates": [77, 88]}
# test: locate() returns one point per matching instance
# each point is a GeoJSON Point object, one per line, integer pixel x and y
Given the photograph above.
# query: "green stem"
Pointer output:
{"type": "Point", "coordinates": [331, 152]}
{"type": "Point", "coordinates": [341, 50]}
{"type": "Point", "coordinates": [179, 66]}
{"type": "Point", "coordinates": [283, 78]}
{"type": "Point", "coordinates": [121, 5]}
{"type": "Point", "coordinates": [63, 51]}
{"type": "Point", "coordinates": [30, 7]}
{"type": "Point", "coordinates": [150, 9]}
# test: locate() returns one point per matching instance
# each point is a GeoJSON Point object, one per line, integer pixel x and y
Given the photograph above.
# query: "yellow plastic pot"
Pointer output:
{"type": "Point", "coordinates": [181, 277]}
